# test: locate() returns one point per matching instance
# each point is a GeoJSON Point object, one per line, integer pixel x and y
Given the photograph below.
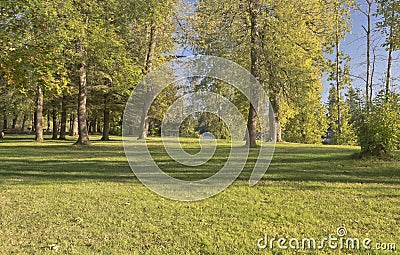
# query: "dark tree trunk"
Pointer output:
{"type": "Point", "coordinates": [251, 127]}
{"type": "Point", "coordinates": [23, 122]}
{"type": "Point", "coordinates": [89, 124]}
{"type": "Point", "coordinates": [106, 128]}
{"type": "Point", "coordinates": [34, 121]}
{"type": "Point", "coordinates": [55, 124]}
{"type": "Point", "coordinates": [254, 9]}
{"type": "Point", "coordinates": [48, 120]}
{"type": "Point", "coordinates": [71, 124]}
{"type": "Point", "coordinates": [63, 127]}
{"type": "Point", "coordinates": [14, 122]}
{"type": "Point", "coordinates": [388, 71]}
{"type": "Point", "coordinates": [83, 136]}
{"type": "Point", "coordinates": [272, 127]}
{"type": "Point", "coordinates": [5, 122]}
{"type": "Point", "coordinates": [98, 128]}
{"type": "Point", "coordinates": [144, 123]}
{"type": "Point", "coordinates": [39, 115]}
{"type": "Point", "coordinates": [372, 74]}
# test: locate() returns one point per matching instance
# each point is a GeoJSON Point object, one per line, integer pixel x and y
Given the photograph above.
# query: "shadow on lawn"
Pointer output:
{"type": "Point", "coordinates": [57, 161]}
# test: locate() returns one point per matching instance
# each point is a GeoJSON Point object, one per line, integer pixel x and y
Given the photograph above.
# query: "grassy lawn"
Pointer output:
{"type": "Point", "coordinates": [56, 198]}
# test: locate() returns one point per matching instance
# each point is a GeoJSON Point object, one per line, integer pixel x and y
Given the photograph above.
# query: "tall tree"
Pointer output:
{"type": "Point", "coordinates": [368, 12]}
{"type": "Point", "coordinates": [144, 122]}
{"type": "Point", "coordinates": [389, 12]}
{"type": "Point", "coordinates": [255, 10]}
{"type": "Point", "coordinates": [340, 69]}
{"type": "Point", "coordinates": [157, 19]}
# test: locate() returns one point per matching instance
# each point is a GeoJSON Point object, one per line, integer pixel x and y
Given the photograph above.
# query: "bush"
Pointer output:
{"type": "Point", "coordinates": [377, 126]}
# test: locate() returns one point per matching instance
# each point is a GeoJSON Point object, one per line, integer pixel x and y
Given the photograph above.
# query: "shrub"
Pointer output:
{"type": "Point", "coordinates": [377, 126]}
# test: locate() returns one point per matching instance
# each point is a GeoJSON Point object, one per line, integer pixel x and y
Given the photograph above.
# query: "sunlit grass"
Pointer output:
{"type": "Point", "coordinates": [60, 198]}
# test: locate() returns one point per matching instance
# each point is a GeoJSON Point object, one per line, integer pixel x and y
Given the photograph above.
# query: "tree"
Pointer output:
{"type": "Point", "coordinates": [63, 120]}
{"type": "Point", "coordinates": [368, 12]}
{"type": "Point", "coordinates": [389, 11]}
{"type": "Point", "coordinates": [37, 65]}
{"type": "Point", "coordinates": [96, 52]}
{"type": "Point", "coordinates": [254, 10]}
{"type": "Point", "coordinates": [347, 134]}
{"type": "Point", "coordinates": [154, 17]}
{"type": "Point", "coordinates": [292, 39]}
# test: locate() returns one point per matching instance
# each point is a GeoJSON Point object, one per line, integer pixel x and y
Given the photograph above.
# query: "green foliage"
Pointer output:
{"type": "Point", "coordinates": [389, 13]}
{"type": "Point", "coordinates": [378, 125]}
{"type": "Point", "coordinates": [294, 37]}
{"type": "Point", "coordinates": [306, 123]}
{"type": "Point", "coordinates": [345, 135]}
{"type": "Point", "coordinates": [208, 122]}
{"type": "Point", "coordinates": [188, 127]}
{"type": "Point", "coordinates": [43, 42]}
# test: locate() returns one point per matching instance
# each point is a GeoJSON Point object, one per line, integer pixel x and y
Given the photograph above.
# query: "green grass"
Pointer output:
{"type": "Point", "coordinates": [86, 200]}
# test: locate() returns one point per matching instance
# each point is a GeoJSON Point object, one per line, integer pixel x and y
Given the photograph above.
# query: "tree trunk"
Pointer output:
{"type": "Point", "coordinates": [144, 123]}
{"type": "Point", "coordinates": [83, 136]}
{"type": "Point", "coordinates": [14, 122]}
{"type": "Point", "coordinates": [74, 129]}
{"type": "Point", "coordinates": [106, 128]}
{"type": "Point", "coordinates": [278, 129]}
{"type": "Point", "coordinates": [272, 127]}
{"type": "Point", "coordinates": [48, 120]}
{"type": "Point", "coordinates": [391, 48]}
{"type": "Point", "coordinates": [71, 124]}
{"type": "Point", "coordinates": [388, 71]}
{"type": "Point", "coordinates": [63, 127]}
{"type": "Point", "coordinates": [34, 121]}
{"type": "Point", "coordinates": [98, 128]}
{"type": "Point", "coordinates": [254, 8]}
{"type": "Point", "coordinates": [368, 32]}
{"type": "Point", "coordinates": [55, 124]}
{"type": "Point", "coordinates": [94, 122]}
{"type": "Point", "coordinates": [90, 127]}
{"type": "Point", "coordinates": [338, 87]}
{"type": "Point", "coordinates": [277, 117]}
{"type": "Point", "coordinates": [372, 75]}
{"type": "Point", "coordinates": [251, 127]}
{"type": "Point", "coordinates": [39, 115]}
{"type": "Point", "coordinates": [5, 122]}
{"type": "Point", "coordinates": [23, 122]}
